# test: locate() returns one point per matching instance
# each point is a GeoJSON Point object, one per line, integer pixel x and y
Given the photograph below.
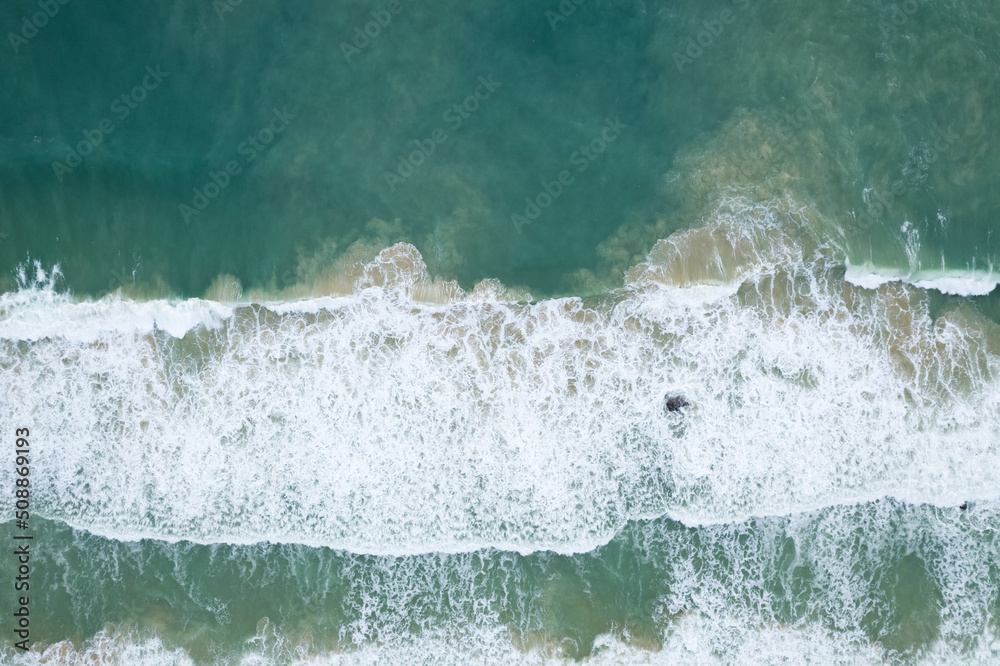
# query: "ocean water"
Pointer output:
{"type": "Point", "coordinates": [344, 330]}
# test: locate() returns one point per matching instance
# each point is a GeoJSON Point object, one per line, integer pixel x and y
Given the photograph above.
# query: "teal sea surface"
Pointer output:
{"type": "Point", "coordinates": [562, 331]}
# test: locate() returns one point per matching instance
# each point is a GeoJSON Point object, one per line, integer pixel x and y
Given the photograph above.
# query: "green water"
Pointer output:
{"type": "Point", "coordinates": [867, 99]}
{"type": "Point", "coordinates": [865, 128]}
{"type": "Point", "coordinates": [774, 572]}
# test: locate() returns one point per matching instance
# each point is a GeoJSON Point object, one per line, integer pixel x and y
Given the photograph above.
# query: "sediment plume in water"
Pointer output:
{"type": "Point", "coordinates": [376, 422]}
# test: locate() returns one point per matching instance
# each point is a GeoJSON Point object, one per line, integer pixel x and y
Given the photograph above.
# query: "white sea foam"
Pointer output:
{"type": "Point", "coordinates": [106, 647]}
{"type": "Point", "coordinates": [37, 311]}
{"type": "Point", "coordinates": [961, 283]}
{"type": "Point", "coordinates": [90, 322]}
{"type": "Point", "coordinates": [377, 424]}
{"type": "Point", "coordinates": [693, 639]}
{"type": "Point", "coordinates": [718, 595]}
{"type": "Point", "coordinates": [486, 648]}
{"type": "Point", "coordinates": [862, 583]}
{"type": "Point", "coordinates": [771, 645]}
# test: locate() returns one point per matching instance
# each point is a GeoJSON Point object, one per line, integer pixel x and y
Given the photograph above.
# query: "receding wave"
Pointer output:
{"type": "Point", "coordinates": [378, 423]}
{"type": "Point", "coordinates": [880, 582]}
{"type": "Point", "coordinates": [765, 645]}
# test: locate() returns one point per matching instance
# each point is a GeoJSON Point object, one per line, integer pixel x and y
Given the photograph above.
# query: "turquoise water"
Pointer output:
{"type": "Point", "coordinates": [354, 348]}
{"type": "Point", "coordinates": [867, 101]}
{"type": "Point", "coordinates": [775, 573]}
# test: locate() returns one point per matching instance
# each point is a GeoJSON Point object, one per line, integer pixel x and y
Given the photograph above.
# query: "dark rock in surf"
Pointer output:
{"type": "Point", "coordinates": [675, 402]}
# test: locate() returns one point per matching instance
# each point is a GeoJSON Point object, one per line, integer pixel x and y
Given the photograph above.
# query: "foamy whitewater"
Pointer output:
{"type": "Point", "coordinates": [380, 426]}
{"type": "Point", "coordinates": [803, 589]}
